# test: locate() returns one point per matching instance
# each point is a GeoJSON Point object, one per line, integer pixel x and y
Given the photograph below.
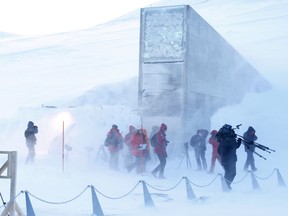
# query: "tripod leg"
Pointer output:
{"type": "Point", "coordinates": [188, 161]}
{"type": "Point", "coordinates": [181, 159]}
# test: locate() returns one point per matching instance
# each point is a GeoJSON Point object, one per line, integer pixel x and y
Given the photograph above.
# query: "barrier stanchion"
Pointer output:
{"type": "Point", "coordinates": [255, 184]}
{"type": "Point", "coordinates": [29, 208]}
{"type": "Point", "coordinates": [189, 190]}
{"type": "Point", "coordinates": [97, 210]}
{"type": "Point", "coordinates": [147, 197]}
{"type": "Point", "coordinates": [280, 179]}
{"type": "Point", "coordinates": [224, 185]}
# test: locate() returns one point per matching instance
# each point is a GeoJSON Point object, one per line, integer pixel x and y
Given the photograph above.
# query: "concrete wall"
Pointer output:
{"type": "Point", "coordinates": [188, 71]}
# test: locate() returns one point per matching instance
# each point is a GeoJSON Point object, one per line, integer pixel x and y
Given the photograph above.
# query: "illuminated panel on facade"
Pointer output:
{"type": "Point", "coordinates": [163, 35]}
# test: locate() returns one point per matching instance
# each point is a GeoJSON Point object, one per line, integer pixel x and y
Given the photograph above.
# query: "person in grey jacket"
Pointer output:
{"type": "Point", "coordinates": [198, 142]}
{"type": "Point", "coordinates": [248, 138]}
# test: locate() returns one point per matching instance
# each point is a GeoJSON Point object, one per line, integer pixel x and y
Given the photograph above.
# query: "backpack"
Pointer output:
{"type": "Point", "coordinates": [154, 140]}
{"type": "Point", "coordinates": [111, 139]}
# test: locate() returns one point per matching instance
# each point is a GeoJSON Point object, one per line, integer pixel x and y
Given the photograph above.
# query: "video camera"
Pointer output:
{"type": "Point", "coordinates": [186, 146]}
{"type": "Point", "coordinates": [226, 132]}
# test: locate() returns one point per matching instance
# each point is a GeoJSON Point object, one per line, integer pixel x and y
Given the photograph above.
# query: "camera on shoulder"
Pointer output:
{"type": "Point", "coordinates": [226, 132]}
{"type": "Point", "coordinates": [35, 129]}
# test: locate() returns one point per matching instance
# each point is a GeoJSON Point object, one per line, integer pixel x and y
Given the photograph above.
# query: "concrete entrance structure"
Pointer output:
{"type": "Point", "coordinates": [187, 71]}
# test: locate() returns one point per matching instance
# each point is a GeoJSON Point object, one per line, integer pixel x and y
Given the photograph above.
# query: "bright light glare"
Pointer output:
{"type": "Point", "coordinates": [65, 117]}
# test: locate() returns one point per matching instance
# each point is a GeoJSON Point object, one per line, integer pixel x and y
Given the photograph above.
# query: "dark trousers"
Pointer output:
{"type": "Point", "coordinates": [200, 159]}
{"type": "Point", "coordinates": [250, 161]}
{"type": "Point", "coordinates": [230, 172]}
{"type": "Point", "coordinates": [160, 168]}
{"type": "Point", "coordinates": [114, 158]}
{"type": "Point", "coordinates": [140, 164]}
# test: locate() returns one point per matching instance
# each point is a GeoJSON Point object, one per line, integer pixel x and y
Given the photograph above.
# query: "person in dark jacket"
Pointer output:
{"type": "Point", "coordinates": [248, 138]}
{"type": "Point", "coordinates": [31, 141]}
{"type": "Point", "coordinates": [160, 150]}
{"type": "Point", "coordinates": [228, 144]}
{"type": "Point", "coordinates": [198, 141]}
{"type": "Point", "coordinates": [114, 142]}
{"type": "Point", "coordinates": [215, 155]}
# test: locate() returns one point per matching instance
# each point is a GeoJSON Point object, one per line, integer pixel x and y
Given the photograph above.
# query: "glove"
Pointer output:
{"type": "Point", "coordinates": [239, 140]}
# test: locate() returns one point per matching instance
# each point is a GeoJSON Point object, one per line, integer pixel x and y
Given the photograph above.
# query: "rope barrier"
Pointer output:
{"type": "Point", "coordinates": [119, 196]}
{"type": "Point", "coordinates": [63, 202]}
{"type": "Point", "coordinates": [239, 181]}
{"type": "Point", "coordinates": [190, 193]}
{"type": "Point", "coordinates": [158, 189]}
{"type": "Point", "coordinates": [206, 184]}
{"type": "Point", "coordinates": [265, 178]}
{"type": "Point", "coordinates": [151, 186]}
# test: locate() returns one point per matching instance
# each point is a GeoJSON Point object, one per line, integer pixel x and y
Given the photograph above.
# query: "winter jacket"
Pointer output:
{"type": "Point", "coordinates": [128, 137]}
{"type": "Point", "coordinates": [162, 143]}
{"type": "Point", "coordinates": [213, 141]}
{"type": "Point", "coordinates": [227, 150]}
{"type": "Point", "coordinates": [30, 134]}
{"type": "Point", "coordinates": [114, 140]}
{"type": "Point", "coordinates": [138, 139]}
{"type": "Point", "coordinates": [198, 141]}
{"type": "Point", "coordinates": [248, 138]}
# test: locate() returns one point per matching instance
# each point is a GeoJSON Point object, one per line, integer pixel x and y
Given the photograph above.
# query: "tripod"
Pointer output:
{"type": "Point", "coordinates": [186, 155]}
{"type": "Point", "coordinates": [101, 153]}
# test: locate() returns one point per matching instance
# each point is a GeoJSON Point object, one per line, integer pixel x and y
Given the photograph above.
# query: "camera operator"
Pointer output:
{"type": "Point", "coordinates": [227, 151]}
{"type": "Point", "coordinates": [31, 141]}
{"type": "Point", "coordinates": [248, 138]}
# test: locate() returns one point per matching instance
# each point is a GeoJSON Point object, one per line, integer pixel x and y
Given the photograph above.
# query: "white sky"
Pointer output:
{"type": "Point", "coordinates": [36, 17]}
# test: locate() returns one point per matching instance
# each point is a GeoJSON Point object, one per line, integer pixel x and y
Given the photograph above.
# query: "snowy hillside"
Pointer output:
{"type": "Point", "coordinates": [6, 35]}
{"type": "Point", "coordinates": [64, 69]}
{"type": "Point", "coordinates": [62, 65]}
{"type": "Point", "coordinates": [46, 60]}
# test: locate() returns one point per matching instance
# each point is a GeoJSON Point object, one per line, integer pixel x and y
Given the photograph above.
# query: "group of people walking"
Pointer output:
{"type": "Point", "coordinates": [224, 145]}
{"type": "Point", "coordinates": [138, 144]}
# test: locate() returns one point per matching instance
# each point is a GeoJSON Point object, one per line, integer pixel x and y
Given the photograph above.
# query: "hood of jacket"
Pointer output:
{"type": "Point", "coordinates": [163, 127]}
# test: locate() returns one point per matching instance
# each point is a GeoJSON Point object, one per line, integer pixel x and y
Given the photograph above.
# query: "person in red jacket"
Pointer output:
{"type": "Point", "coordinates": [139, 148]}
{"type": "Point", "coordinates": [160, 150]}
{"type": "Point", "coordinates": [127, 140]}
{"type": "Point", "coordinates": [215, 155]}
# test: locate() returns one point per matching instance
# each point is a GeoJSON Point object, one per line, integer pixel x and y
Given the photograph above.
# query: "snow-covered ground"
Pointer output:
{"type": "Point", "coordinates": [88, 79]}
